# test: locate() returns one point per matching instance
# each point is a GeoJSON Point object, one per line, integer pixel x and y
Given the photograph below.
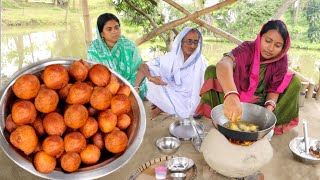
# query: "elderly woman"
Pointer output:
{"type": "Point", "coordinates": [115, 51]}
{"type": "Point", "coordinates": [175, 79]}
{"type": "Point", "coordinates": [255, 72]}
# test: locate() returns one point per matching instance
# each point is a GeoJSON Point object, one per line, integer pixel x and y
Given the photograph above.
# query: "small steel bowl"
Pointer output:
{"type": "Point", "coordinates": [297, 148]}
{"type": "Point", "coordinates": [168, 145]}
{"type": "Point", "coordinates": [178, 176]}
{"type": "Point", "coordinates": [179, 164]}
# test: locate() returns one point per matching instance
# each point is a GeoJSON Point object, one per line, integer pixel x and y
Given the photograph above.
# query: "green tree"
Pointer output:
{"type": "Point", "coordinates": [148, 15]}
{"type": "Point", "coordinates": [244, 18]}
{"type": "Point", "coordinates": [313, 16]}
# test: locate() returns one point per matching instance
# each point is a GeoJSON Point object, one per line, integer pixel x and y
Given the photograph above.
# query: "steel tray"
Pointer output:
{"type": "Point", "coordinates": [183, 130]}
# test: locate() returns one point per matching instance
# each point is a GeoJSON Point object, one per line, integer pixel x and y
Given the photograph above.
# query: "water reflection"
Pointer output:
{"type": "Point", "coordinates": [213, 51]}
{"type": "Point", "coordinates": [20, 48]}
{"type": "Point", "coordinates": [23, 48]}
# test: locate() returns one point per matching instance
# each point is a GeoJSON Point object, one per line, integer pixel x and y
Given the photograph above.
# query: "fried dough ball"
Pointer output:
{"type": "Point", "coordinates": [53, 145]}
{"type": "Point", "coordinates": [74, 142]}
{"type": "Point", "coordinates": [120, 104]}
{"type": "Point", "coordinates": [116, 141]}
{"type": "Point", "coordinates": [90, 155]}
{"type": "Point", "coordinates": [38, 126]}
{"type": "Point", "coordinates": [233, 126]}
{"type": "Point", "coordinates": [125, 89]}
{"type": "Point", "coordinates": [24, 138]}
{"type": "Point", "coordinates": [113, 85]}
{"type": "Point", "coordinates": [124, 121]}
{"type": "Point", "coordinates": [23, 112]}
{"type": "Point", "coordinates": [26, 86]}
{"type": "Point", "coordinates": [78, 71]}
{"type": "Point", "coordinates": [76, 116]}
{"type": "Point", "coordinates": [243, 127]}
{"type": "Point", "coordinates": [107, 121]}
{"type": "Point", "coordinates": [44, 163]}
{"type": "Point", "coordinates": [98, 141]}
{"type": "Point", "coordinates": [90, 128]}
{"type": "Point", "coordinates": [47, 100]}
{"type": "Point", "coordinates": [100, 98]}
{"type": "Point", "coordinates": [10, 124]}
{"type": "Point", "coordinates": [63, 93]}
{"type": "Point", "coordinates": [253, 128]}
{"type": "Point", "coordinates": [54, 124]}
{"type": "Point", "coordinates": [55, 76]}
{"type": "Point", "coordinates": [99, 75]}
{"type": "Point", "coordinates": [79, 93]}
{"type": "Point", "coordinates": [70, 161]}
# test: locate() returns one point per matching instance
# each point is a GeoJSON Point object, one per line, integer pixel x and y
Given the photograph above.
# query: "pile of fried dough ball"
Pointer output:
{"type": "Point", "coordinates": [69, 116]}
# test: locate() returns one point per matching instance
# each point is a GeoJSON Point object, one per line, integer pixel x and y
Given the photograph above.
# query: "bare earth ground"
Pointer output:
{"type": "Point", "coordinates": [281, 167]}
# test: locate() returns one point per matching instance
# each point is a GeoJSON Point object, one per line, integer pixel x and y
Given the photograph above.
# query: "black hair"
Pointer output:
{"type": "Point", "coordinates": [104, 18]}
{"type": "Point", "coordinates": [278, 25]}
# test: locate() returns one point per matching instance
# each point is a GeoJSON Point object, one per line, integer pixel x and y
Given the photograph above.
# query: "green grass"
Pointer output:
{"type": "Point", "coordinates": [18, 13]}
{"type": "Point", "coordinates": [10, 4]}
{"type": "Point", "coordinates": [37, 14]}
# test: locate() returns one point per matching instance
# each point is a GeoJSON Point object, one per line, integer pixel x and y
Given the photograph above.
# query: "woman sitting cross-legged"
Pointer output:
{"type": "Point", "coordinates": [175, 79]}
{"type": "Point", "coordinates": [255, 72]}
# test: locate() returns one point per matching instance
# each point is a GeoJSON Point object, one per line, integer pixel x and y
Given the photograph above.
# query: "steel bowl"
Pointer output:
{"type": "Point", "coordinates": [179, 164]}
{"type": "Point", "coordinates": [168, 145]}
{"type": "Point", "coordinates": [297, 148]}
{"type": "Point", "coordinates": [252, 113]}
{"type": "Point", "coordinates": [178, 176]}
{"type": "Point", "coordinates": [107, 163]}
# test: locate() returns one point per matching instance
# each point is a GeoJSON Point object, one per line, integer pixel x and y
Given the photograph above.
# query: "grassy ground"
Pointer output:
{"type": "Point", "coordinates": [15, 13]}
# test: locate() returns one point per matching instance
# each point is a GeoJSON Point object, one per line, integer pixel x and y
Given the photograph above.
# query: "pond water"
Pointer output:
{"type": "Point", "coordinates": [21, 46]}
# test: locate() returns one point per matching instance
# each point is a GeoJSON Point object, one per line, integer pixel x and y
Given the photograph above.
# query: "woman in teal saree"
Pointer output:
{"type": "Point", "coordinates": [116, 51]}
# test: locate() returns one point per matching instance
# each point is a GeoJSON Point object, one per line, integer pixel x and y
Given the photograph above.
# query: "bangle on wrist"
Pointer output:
{"type": "Point", "coordinates": [269, 104]}
{"type": "Point", "coordinates": [272, 103]}
{"type": "Point", "coordinates": [231, 92]}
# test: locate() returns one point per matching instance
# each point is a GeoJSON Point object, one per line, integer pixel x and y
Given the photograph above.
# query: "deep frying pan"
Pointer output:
{"type": "Point", "coordinates": [252, 113]}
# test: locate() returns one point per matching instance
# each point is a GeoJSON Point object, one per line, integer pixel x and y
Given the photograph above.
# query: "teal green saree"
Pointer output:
{"type": "Point", "coordinates": [124, 58]}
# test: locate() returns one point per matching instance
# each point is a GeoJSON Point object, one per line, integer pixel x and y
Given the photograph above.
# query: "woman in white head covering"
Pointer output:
{"type": "Point", "coordinates": [175, 79]}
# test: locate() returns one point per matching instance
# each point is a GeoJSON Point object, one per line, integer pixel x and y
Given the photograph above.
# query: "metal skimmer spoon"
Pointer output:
{"type": "Point", "coordinates": [193, 123]}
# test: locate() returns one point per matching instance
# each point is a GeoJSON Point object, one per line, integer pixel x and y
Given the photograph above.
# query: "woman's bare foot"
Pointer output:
{"type": "Point", "coordinates": [155, 111]}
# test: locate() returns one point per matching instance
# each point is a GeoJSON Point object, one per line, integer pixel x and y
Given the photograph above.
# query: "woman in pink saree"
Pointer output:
{"type": "Point", "coordinates": [255, 72]}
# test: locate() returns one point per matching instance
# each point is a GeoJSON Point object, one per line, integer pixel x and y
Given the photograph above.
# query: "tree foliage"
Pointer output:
{"type": "Point", "coordinates": [313, 15]}
{"type": "Point", "coordinates": [142, 13]}
{"type": "Point", "coordinates": [148, 15]}
{"type": "Point", "coordinates": [134, 18]}
{"type": "Point", "coordinates": [244, 18]}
